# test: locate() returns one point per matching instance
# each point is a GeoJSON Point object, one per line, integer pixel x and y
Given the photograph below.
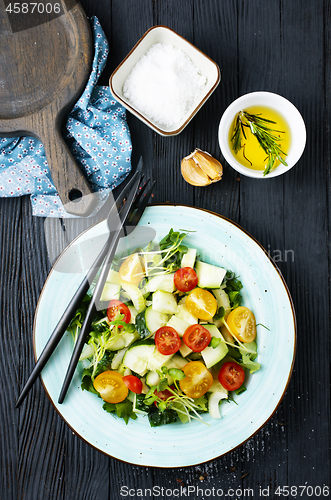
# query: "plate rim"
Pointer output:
{"type": "Point", "coordinates": [294, 340]}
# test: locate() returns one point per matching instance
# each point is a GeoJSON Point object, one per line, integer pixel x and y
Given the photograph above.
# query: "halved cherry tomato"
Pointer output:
{"type": "Point", "coordinates": [242, 324]}
{"type": "Point", "coordinates": [185, 279]}
{"type": "Point", "coordinates": [201, 304]}
{"type": "Point", "coordinates": [132, 270]}
{"type": "Point", "coordinates": [231, 376]}
{"type": "Point", "coordinates": [167, 340]}
{"type": "Point", "coordinates": [197, 337]}
{"type": "Point", "coordinates": [111, 387]}
{"type": "Point", "coordinates": [133, 383]}
{"type": "Point", "coordinates": [163, 395]}
{"type": "Point", "coordinates": [197, 381]}
{"type": "Point", "coordinates": [116, 307]}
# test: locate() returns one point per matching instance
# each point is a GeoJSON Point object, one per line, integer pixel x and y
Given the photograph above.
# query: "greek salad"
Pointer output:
{"type": "Point", "coordinates": [173, 339]}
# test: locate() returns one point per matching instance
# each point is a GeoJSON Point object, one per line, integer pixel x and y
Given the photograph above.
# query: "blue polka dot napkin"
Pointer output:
{"type": "Point", "coordinates": [96, 132]}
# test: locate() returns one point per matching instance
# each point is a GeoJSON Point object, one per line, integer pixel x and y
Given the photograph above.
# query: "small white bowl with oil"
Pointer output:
{"type": "Point", "coordinates": [289, 127]}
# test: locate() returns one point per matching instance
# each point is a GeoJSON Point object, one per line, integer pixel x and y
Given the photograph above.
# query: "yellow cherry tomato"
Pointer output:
{"type": "Point", "coordinates": [198, 380]}
{"type": "Point", "coordinates": [201, 304]}
{"type": "Point", "coordinates": [242, 324]}
{"type": "Point", "coordinates": [132, 270]}
{"type": "Point", "coordinates": [111, 387]}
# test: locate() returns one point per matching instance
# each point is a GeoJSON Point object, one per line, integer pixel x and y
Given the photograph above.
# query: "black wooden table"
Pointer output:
{"type": "Point", "coordinates": [271, 45]}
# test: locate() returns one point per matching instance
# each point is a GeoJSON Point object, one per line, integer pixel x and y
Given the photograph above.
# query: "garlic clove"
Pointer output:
{"type": "Point", "coordinates": [201, 169]}
{"type": "Point", "coordinates": [193, 174]}
{"type": "Point", "coordinates": [209, 165]}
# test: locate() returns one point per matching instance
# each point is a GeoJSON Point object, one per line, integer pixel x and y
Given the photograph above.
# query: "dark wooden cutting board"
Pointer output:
{"type": "Point", "coordinates": [43, 70]}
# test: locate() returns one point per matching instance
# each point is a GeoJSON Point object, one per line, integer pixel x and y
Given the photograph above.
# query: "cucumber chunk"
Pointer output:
{"type": "Point", "coordinates": [152, 378]}
{"type": "Point", "coordinates": [155, 319]}
{"type": "Point", "coordinates": [129, 338]}
{"type": "Point", "coordinates": [122, 369]}
{"type": "Point", "coordinates": [124, 340]}
{"type": "Point", "coordinates": [178, 324]}
{"type": "Point", "coordinates": [185, 350]}
{"type": "Point", "coordinates": [164, 283]}
{"type": "Point", "coordinates": [213, 403]}
{"type": "Point", "coordinates": [110, 291]}
{"type": "Point", "coordinates": [87, 352]}
{"type": "Point", "coordinates": [117, 344]}
{"type": "Point", "coordinates": [164, 302]}
{"type": "Point", "coordinates": [226, 334]}
{"type": "Point", "coordinates": [117, 359]}
{"type": "Point", "coordinates": [188, 258]}
{"type": "Point", "coordinates": [135, 294]}
{"type": "Point", "coordinates": [133, 312]}
{"type": "Point", "coordinates": [175, 361]}
{"type": "Point", "coordinates": [184, 314]}
{"type": "Point", "coordinates": [222, 301]}
{"type": "Point", "coordinates": [136, 357]}
{"type": "Point", "coordinates": [209, 276]}
{"type": "Point", "coordinates": [178, 361]}
{"type": "Point", "coordinates": [210, 355]}
{"type": "Point", "coordinates": [156, 360]}
{"type": "Point", "coordinates": [113, 277]}
{"type": "Point", "coordinates": [217, 387]}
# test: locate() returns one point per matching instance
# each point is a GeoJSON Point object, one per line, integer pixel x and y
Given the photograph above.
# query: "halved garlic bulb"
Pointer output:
{"type": "Point", "coordinates": [200, 168]}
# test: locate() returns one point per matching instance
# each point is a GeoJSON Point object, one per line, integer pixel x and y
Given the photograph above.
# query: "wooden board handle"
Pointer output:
{"type": "Point", "coordinates": [72, 187]}
{"type": "Point", "coordinates": [44, 71]}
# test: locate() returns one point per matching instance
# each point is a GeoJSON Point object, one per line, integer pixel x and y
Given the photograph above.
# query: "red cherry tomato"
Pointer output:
{"type": "Point", "coordinates": [167, 340]}
{"type": "Point", "coordinates": [133, 383]}
{"type": "Point", "coordinates": [185, 279]}
{"type": "Point", "coordinates": [231, 376]}
{"type": "Point", "coordinates": [164, 395]}
{"type": "Point", "coordinates": [197, 337]}
{"type": "Point", "coordinates": [116, 307]}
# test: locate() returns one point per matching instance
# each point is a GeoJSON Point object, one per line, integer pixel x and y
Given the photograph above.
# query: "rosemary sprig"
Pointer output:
{"type": "Point", "coordinates": [264, 135]}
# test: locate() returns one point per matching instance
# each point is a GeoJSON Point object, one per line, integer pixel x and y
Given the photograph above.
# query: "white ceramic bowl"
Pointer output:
{"type": "Point", "coordinates": [286, 109]}
{"type": "Point", "coordinates": [163, 34]}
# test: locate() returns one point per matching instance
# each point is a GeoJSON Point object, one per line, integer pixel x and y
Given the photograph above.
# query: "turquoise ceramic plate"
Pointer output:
{"type": "Point", "coordinates": [221, 242]}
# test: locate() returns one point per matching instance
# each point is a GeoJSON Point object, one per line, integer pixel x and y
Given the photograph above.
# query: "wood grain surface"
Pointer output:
{"type": "Point", "coordinates": [270, 45]}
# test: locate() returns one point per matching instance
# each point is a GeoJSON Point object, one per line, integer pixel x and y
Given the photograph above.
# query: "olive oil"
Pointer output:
{"type": "Point", "coordinates": [251, 154]}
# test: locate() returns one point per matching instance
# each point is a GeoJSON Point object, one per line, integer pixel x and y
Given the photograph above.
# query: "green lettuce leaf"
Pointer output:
{"type": "Point", "coordinates": [87, 384]}
{"type": "Point", "coordinates": [122, 410]}
{"type": "Point", "coordinates": [141, 325]}
{"type": "Point", "coordinates": [248, 363]}
{"type": "Point", "coordinates": [157, 417]}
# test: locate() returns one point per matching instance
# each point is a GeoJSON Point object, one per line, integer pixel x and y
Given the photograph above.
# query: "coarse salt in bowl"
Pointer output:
{"type": "Point", "coordinates": [164, 80]}
{"type": "Point", "coordinates": [289, 112]}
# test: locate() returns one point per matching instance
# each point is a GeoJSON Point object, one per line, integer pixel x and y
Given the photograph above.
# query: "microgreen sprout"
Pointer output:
{"type": "Point", "coordinates": [104, 339]}
{"type": "Point", "coordinates": [260, 324]}
{"type": "Point", "coordinates": [77, 321]}
{"type": "Point", "coordinates": [184, 405]}
{"type": "Point", "coordinates": [167, 258]}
